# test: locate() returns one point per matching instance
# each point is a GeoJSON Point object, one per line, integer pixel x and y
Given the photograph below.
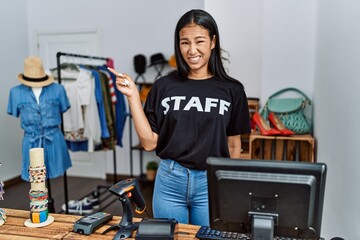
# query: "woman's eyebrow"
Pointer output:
{"type": "Point", "coordinates": [198, 37]}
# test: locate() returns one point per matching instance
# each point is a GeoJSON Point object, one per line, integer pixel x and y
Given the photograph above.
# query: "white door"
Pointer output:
{"type": "Point", "coordinates": [81, 42]}
{"type": "Point", "coordinates": [77, 42]}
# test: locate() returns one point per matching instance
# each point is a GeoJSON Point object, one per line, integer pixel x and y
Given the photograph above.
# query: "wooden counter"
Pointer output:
{"type": "Point", "coordinates": [62, 227]}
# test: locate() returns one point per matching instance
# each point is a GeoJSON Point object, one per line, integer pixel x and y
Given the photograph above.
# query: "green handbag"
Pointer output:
{"type": "Point", "coordinates": [289, 110]}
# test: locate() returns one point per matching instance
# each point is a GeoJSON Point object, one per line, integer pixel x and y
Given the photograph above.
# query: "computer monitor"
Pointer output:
{"type": "Point", "coordinates": [266, 198]}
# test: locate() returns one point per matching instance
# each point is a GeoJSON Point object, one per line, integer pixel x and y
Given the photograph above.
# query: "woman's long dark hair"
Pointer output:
{"type": "Point", "coordinates": [205, 20]}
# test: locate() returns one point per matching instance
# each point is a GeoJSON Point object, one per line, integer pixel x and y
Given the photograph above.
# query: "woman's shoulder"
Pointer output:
{"type": "Point", "coordinates": [170, 77]}
{"type": "Point", "coordinates": [230, 82]}
{"type": "Point", "coordinates": [232, 86]}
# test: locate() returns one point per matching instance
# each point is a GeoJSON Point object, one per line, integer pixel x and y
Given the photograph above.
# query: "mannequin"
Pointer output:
{"type": "Point", "coordinates": [39, 102]}
{"type": "Point", "coordinates": [37, 92]}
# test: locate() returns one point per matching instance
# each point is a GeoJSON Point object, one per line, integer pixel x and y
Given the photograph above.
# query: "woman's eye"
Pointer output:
{"type": "Point", "coordinates": [183, 43]}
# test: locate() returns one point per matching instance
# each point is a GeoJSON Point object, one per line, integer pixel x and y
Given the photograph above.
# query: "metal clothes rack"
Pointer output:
{"type": "Point", "coordinates": [98, 188]}
{"type": "Point", "coordinates": [132, 148]}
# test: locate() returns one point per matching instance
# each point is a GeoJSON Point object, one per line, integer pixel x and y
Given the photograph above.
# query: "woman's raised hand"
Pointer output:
{"type": "Point", "coordinates": [124, 83]}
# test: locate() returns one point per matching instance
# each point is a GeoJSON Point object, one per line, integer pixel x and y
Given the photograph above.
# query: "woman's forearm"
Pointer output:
{"type": "Point", "coordinates": [234, 144]}
{"type": "Point", "coordinates": [143, 129]}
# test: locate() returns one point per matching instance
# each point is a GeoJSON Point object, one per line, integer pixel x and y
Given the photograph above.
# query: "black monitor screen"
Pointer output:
{"type": "Point", "coordinates": [266, 198]}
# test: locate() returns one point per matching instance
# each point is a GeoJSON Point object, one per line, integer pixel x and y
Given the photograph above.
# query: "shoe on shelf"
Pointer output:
{"type": "Point", "coordinates": [83, 206]}
{"type": "Point", "coordinates": [279, 125]}
{"type": "Point", "coordinates": [264, 127]}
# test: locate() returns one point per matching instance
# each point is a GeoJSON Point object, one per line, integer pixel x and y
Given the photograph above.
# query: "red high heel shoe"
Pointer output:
{"type": "Point", "coordinates": [275, 120]}
{"type": "Point", "coordinates": [265, 128]}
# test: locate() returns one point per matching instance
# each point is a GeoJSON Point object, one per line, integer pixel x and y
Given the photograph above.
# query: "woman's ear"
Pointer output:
{"type": "Point", "coordinates": [213, 42]}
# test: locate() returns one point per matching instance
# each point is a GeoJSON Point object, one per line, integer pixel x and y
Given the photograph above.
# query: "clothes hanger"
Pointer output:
{"type": "Point", "coordinates": [67, 65]}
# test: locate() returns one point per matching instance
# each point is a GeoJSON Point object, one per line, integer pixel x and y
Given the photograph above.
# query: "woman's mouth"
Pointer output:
{"type": "Point", "coordinates": [194, 60]}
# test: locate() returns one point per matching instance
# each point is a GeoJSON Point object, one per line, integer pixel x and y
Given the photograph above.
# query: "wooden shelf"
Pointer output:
{"type": "Point", "coordinates": [293, 148]}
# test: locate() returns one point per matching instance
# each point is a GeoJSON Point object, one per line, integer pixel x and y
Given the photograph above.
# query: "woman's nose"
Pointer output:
{"type": "Point", "coordinates": [192, 48]}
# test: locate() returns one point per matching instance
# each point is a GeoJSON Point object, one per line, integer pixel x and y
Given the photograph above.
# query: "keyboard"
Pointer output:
{"type": "Point", "coordinates": [206, 233]}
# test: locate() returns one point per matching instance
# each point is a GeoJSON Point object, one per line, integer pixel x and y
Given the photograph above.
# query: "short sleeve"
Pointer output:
{"type": "Point", "coordinates": [12, 108]}
{"type": "Point", "coordinates": [150, 109]}
{"type": "Point", "coordinates": [240, 121]}
{"type": "Point", "coordinates": [64, 101]}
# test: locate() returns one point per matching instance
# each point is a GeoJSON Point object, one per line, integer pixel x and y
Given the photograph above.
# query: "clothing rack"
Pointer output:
{"type": "Point", "coordinates": [97, 191]}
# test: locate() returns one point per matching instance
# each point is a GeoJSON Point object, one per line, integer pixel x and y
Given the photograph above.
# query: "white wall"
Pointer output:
{"type": "Point", "coordinates": [288, 43]}
{"type": "Point", "coordinates": [13, 48]}
{"type": "Point", "coordinates": [240, 25]}
{"type": "Point", "coordinates": [128, 27]}
{"type": "Point", "coordinates": [336, 98]}
{"type": "Point", "coordinates": [271, 43]}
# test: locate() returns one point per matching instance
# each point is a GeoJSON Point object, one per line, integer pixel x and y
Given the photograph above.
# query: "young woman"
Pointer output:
{"type": "Point", "coordinates": [191, 114]}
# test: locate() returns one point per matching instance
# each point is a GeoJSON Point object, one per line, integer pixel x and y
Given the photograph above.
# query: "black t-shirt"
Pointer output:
{"type": "Point", "coordinates": [194, 117]}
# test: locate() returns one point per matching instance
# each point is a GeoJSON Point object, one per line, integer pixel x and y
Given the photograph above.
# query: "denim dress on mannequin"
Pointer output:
{"type": "Point", "coordinates": [40, 119]}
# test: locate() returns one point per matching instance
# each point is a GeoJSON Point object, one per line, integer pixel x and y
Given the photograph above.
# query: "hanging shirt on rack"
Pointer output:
{"type": "Point", "coordinates": [41, 126]}
{"type": "Point", "coordinates": [120, 110]}
{"type": "Point", "coordinates": [100, 102]}
{"type": "Point", "coordinates": [110, 84]}
{"type": "Point", "coordinates": [107, 143]}
{"type": "Point", "coordinates": [82, 122]}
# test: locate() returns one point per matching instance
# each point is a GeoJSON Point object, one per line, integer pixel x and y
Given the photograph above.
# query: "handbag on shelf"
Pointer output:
{"type": "Point", "coordinates": [289, 110]}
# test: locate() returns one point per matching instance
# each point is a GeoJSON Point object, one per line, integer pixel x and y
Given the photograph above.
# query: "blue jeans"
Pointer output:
{"type": "Point", "coordinates": [181, 193]}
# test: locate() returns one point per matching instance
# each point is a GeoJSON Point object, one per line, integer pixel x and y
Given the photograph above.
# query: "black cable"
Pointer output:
{"type": "Point", "coordinates": [147, 213]}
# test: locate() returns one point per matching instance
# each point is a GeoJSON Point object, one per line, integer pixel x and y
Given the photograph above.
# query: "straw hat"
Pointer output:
{"type": "Point", "coordinates": [34, 74]}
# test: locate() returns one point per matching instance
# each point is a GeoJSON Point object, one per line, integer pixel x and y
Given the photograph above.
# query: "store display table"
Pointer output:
{"type": "Point", "coordinates": [62, 228]}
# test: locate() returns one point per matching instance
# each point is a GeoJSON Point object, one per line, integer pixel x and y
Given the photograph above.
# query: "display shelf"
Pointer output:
{"type": "Point", "coordinates": [293, 148]}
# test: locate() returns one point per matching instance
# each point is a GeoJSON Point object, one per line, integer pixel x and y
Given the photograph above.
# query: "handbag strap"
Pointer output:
{"type": "Point", "coordinates": [307, 99]}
